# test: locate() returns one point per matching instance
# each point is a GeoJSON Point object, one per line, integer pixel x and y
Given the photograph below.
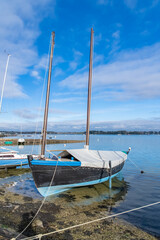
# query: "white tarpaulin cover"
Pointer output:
{"type": "Point", "coordinates": [94, 158]}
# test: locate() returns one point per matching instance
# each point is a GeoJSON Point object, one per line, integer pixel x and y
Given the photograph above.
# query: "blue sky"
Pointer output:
{"type": "Point", "coordinates": [126, 63]}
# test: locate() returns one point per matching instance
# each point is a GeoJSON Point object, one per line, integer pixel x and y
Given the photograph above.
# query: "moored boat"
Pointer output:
{"type": "Point", "coordinates": [78, 167]}
{"type": "Point", "coordinates": [11, 158]}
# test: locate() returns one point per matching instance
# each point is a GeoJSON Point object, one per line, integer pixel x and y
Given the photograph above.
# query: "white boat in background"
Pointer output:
{"type": "Point", "coordinates": [11, 158]}
{"type": "Point", "coordinates": [21, 141]}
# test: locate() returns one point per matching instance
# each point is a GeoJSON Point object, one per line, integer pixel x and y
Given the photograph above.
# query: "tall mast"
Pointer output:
{"type": "Point", "coordinates": [4, 80]}
{"type": "Point", "coordinates": [89, 90]}
{"type": "Point", "coordinates": [47, 100]}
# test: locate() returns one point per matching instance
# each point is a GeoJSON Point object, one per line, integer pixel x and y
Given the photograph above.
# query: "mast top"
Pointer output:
{"type": "Point", "coordinates": [44, 132]}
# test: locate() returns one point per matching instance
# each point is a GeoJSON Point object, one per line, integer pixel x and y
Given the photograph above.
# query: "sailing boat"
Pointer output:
{"type": "Point", "coordinates": [77, 167]}
{"type": "Point", "coordinates": [10, 158]}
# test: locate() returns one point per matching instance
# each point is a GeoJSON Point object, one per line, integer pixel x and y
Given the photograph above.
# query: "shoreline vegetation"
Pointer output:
{"type": "Point", "coordinates": [92, 132]}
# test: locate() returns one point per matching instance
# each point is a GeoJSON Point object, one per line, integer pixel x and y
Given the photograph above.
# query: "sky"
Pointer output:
{"type": "Point", "coordinates": [126, 64]}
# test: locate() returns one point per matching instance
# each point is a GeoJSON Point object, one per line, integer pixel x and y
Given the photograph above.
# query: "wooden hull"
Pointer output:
{"type": "Point", "coordinates": [68, 177]}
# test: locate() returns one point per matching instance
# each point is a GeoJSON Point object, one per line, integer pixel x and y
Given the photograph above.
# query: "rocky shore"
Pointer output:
{"type": "Point", "coordinates": [19, 201]}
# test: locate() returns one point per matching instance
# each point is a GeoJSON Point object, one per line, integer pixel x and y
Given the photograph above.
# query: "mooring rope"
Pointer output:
{"type": "Point", "coordinates": [134, 164]}
{"type": "Point", "coordinates": [40, 205]}
{"type": "Point", "coordinates": [39, 236]}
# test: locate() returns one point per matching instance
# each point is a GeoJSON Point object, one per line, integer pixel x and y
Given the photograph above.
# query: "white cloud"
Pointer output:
{"type": "Point", "coordinates": [56, 125]}
{"type": "Point", "coordinates": [35, 74]}
{"type": "Point", "coordinates": [133, 74]}
{"type": "Point", "coordinates": [73, 65]}
{"type": "Point", "coordinates": [58, 60]}
{"type": "Point", "coordinates": [78, 100]}
{"type": "Point", "coordinates": [116, 34]}
{"type": "Point", "coordinates": [26, 114]}
{"type": "Point", "coordinates": [57, 72]}
{"type": "Point", "coordinates": [76, 59]}
{"type": "Point", "coordinates": [97, 39]}
{"type": "Point", "coordinates": [98, 58]}
{"type": "Point", "coordinates": [19, 28]}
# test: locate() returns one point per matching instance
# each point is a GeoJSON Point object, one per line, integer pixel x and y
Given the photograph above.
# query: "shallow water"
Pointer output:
{"type": "Point", "coordinates": [131, 189]}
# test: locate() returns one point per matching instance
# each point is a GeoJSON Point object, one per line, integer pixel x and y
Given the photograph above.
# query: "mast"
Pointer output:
{"type": "Point", "coordinates": [4, 80]}
{"type": "Point", "coordinates": [47, 100]}
{"type": "Point", "coordinates": [89, 90]}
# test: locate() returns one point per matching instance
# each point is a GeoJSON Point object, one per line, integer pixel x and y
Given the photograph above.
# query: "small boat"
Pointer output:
{"type": "Point", "coordinates": [21, 141]}
{"type": "Point", "coordinates": [10, 158]}
{"type": "Point", "coordinates": [76, 167]}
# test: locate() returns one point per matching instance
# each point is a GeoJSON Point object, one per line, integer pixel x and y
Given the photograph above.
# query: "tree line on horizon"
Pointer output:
{"type": "Point", "coordinates": [119, 132]}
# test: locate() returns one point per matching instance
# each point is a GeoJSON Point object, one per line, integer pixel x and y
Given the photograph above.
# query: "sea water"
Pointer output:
{"type": "Point", "coordinates": [140, 189]}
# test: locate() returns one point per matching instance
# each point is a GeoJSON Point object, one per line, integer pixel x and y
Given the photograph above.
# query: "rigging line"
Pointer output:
{"type": "Point", "coordinates": [89, 222]}
{"type": "Point", "coordinates": [45, 77]}
{"type": "Point", "coordinates": [4, 80]}
{"type": "Point", "coordinates": [121, 158]}
{"type": "Point", "coordinates": [134, 164]}
{"type": "Point", "coordinates": [52, 153]}
{"type": "Point", "coordinates": [54, 173]}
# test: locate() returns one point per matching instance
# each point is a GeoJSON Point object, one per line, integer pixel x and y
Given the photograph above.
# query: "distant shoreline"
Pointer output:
{"type": "Point", "coordinates": [92, 132]}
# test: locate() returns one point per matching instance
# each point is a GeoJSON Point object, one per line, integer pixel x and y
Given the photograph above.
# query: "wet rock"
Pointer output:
{"type": "Point", "coordinates": [37, 223]}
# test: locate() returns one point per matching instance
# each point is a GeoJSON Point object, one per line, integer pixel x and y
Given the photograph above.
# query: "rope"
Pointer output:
{"type": "Point", "coordinates": [134, 164]}
{"type": "Point", "coordinates": [89, 222]}
{"type": "Point", "coordinates": [40, 205]}
{"type": "Point", "coordinates": [52, 153]}
{"type": "Point", "coordinates": [4, 80]}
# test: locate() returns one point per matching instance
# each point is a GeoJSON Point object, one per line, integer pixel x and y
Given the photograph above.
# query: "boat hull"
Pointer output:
{"type": "Point", "coordinates": [67, 177]}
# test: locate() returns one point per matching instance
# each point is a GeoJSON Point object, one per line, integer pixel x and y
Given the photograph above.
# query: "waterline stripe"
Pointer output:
{"type": "Point", "coordinates": [62, 188]}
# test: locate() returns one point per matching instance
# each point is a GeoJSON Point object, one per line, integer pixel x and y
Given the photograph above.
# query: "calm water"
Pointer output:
{"type": "Point", "coordinates": [141, 189]}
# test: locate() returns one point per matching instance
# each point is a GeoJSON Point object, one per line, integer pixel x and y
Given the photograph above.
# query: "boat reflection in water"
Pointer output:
{"type": "Point", "coordinates": [95, 194]}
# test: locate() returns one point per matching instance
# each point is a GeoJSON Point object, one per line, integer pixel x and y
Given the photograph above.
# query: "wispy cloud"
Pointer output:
{"type": "Point", "coordinates": [97, 39]}
{"type": "Point", "coordinates": [132, 74]}
{"type": "Point", "coordinates": [58, 60]}
{"type": "Point", "coordinates": [76, 59]}
{"type": "Point", "coordinates": [80, 125]}
{"type": "Point", "coordinates": [19, 28]}
{"type": "Point", "coordinates": [134, 5]}
{"type": "Point", "coordinates": [69, 99]}
{"type": "Point", "coordinates": [116, 34]}
{"type": "Point", "coordinates": [58, 72]}
{"type": "Point", "coordinates": [25, 114]}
